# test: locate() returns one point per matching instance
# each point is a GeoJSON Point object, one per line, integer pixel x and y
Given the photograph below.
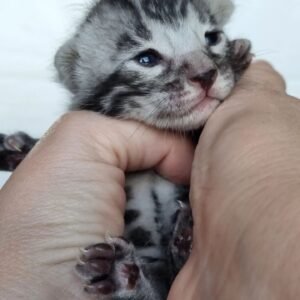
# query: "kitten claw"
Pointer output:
{"type": "Point", "coordinates": [108, 268]}
{"type": "Point", "coordinates": [240, 56]}
{"type": "Point", "coordinates": [13, 149]}
{"type": "Point", "coordinates": [102, 250]}
{"type": "Point", "coordinates": [105, 287]}
{"type": "Point", "coordinates": [241, 47]}
{"type": "Point", "coordinates": [181, 243]}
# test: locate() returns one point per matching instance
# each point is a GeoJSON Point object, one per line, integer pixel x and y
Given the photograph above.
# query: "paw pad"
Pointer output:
{"type": "Point", "coordinates": [109, 268]}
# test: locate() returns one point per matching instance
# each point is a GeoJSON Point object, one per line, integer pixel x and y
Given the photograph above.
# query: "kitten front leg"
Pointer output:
{"type": "Point", "coordinates": [240, 56]}
{"type": "Point", "coordinates": [180, 246]}
{"type": "Point", "coordinates": [13, 149]}
{"type": "Point", "coordinates": [112, 270]}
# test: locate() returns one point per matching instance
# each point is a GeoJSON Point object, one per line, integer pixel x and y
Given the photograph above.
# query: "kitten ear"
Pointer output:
{"type": "Point", "coordinates": [221, 10]}
{"type": "Point", "coordinates": [65, 63]}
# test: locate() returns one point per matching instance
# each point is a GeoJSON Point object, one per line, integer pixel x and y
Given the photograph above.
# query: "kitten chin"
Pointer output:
{"type": "Point", "coordinates": [128, 58]}
{"type": "Point", "coordinates": [164, 63]}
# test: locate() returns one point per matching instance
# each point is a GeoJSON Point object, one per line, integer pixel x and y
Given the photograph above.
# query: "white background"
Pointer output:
{"type": "Point", "coordinates": [32, 30]}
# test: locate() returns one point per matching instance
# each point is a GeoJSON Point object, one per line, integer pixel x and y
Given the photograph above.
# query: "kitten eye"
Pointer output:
{"type": "Point", "coordinates": [149, 58]}
{"type": "Point", "coordinates": [213, 37]}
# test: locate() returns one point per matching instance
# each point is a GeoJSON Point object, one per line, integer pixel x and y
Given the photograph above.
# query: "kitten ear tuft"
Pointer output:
{"type": "Point", "coordinates": [221, 10]}
{"type": "Point", "coordinates": [65, 63]}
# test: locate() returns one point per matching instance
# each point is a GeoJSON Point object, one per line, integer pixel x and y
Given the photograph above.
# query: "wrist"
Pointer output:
{"type": "Point", "coordinates": [35, 280]}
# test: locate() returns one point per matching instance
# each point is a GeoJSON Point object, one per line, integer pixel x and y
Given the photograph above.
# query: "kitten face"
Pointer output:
{"type": "Point", "coordinates": [162, 62]}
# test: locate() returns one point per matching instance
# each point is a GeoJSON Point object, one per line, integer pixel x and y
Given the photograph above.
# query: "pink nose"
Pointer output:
{"type": "Point", "coordinates": [206, 79]}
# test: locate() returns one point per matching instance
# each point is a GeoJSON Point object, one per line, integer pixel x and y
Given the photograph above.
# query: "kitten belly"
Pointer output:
{"type": "Point", "coordinates": [152, 203]}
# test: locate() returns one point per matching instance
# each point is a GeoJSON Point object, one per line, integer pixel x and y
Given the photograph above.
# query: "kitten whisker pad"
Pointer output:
{"type": "Point", "coordinates": [168, 64]}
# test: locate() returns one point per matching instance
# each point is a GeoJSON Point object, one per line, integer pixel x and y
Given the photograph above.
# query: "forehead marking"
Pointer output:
{"type": "Point", "coordinates": [180, 40]}
{"type": "Point", "coordinates": [164, 11]}
{"type": "Point", "coordinates": [127, 42]}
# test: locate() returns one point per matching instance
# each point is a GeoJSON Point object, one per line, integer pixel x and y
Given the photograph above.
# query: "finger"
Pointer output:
{"type": "Point", "coordinates": [128, 145]}
{"type": "Point", "coordinates": [137, 147]}
{"type": "Point", "coordinates": [262, 74]}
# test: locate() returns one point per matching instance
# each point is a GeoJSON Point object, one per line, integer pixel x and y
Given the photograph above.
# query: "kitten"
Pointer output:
{"type": "Point", "coordinates": [166, 63]}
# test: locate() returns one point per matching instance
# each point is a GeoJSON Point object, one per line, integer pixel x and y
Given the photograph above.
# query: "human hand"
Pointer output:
{"type": "Point", "coordinates": [69, 193]}
{"type": "Point", "coordinates": [245, 189]}
{"type": "Point", "coordinates": [41, 241]}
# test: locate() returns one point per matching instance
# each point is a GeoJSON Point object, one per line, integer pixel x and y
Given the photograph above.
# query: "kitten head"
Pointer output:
{"type": "Point", "coordinates": [162, 62]}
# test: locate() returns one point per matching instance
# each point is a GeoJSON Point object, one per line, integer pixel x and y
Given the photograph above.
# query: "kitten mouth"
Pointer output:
{"type": "Point", "coordinates": [199, 105]}
{"type": "Point", "coordinates": [199, 113]}
{"type": "Point", "coordinates": [189, 118]}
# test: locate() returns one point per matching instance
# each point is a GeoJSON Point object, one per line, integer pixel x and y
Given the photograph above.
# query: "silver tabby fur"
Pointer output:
{"type": "Point", "coordinates": [99, 66]}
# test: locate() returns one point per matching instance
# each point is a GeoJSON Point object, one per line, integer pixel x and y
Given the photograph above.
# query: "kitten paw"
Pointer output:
{"type": "Point", "coordinates": [181, 243]}
{"type": "Point", "coordinates": [13, 149]}
{"type": "Point", "coordinates": [109, 269]}
{"type": "Point", "coordinates": [241, 55]}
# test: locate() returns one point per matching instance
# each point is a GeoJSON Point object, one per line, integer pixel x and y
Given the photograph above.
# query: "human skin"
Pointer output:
{"type": "Point", "coordinates": [68, 193]}
{"type": "Point", "coordinates": [245, 197]}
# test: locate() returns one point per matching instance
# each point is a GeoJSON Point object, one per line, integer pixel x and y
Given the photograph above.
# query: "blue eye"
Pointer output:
{"type": "Point", "coordinates": [149, 58]}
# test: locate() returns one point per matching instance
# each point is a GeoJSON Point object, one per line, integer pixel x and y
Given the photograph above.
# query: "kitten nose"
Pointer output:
{"type": "Point", "coordinates": [206, 79]}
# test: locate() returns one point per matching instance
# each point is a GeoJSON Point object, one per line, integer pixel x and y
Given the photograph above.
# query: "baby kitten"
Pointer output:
{"type": "Point", "coordinates": [166, 63]}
